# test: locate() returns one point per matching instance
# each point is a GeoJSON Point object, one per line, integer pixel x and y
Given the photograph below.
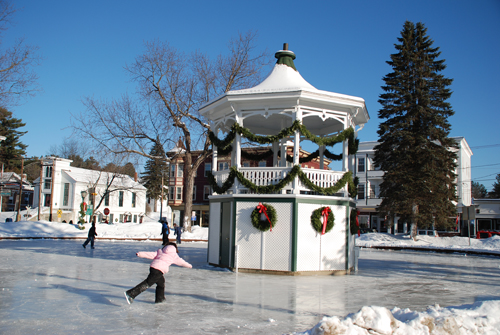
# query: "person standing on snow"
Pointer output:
{"type": "Point", "coordinates": [91, 237]}
{"type": "Point", "coordinates": [165, 231]}
{"type": "Point", "coordinates": [162, 259]}
{"type": "Point", "coordinates": [177, 232]}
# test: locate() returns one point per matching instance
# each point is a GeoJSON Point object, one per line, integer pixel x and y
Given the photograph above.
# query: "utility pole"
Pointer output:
{"type": "Point", "coordinates": [20, 191]}
{"type": "Point", "coordinates": [52, 187]}
{"type": "Point", "coordinates": [40, 188]}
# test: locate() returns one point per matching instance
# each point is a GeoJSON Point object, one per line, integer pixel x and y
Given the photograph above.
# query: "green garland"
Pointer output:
{"type": "Point", "coordinates": [263, 225]}
{"type": "Point", "coordinates": [294, 172]}
{"type": "Point", "coordinates": [317, 220]}
{"type": "Point", "coordinates": [352, 224]}
{"type": "Point", "coordinates": [347, 134]}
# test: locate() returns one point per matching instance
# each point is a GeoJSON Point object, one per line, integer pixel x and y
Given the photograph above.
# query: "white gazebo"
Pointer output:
{"type": "Point", "coordinates": [286, 107]}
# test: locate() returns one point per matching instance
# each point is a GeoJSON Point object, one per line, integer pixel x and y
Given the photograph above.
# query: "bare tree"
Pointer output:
{"type": "Point", "coordinates": [17, 80]}
{"type": "Point", "coordinates": [171, 88]}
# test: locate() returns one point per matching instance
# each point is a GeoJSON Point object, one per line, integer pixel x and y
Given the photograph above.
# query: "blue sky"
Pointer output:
{"type": "Point", "coordinates": [341, 46]}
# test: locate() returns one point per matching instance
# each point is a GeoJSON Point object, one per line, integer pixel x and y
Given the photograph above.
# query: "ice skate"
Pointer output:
{"type": "Point", "coordinates": [83, 245]}
{"type": "Point", "coordinates": [128, 298]}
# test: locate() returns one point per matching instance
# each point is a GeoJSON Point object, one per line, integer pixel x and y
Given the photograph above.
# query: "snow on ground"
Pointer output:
{"type": "Point", "coordinates": [490, 245]}
{"type": "Point", "coordinates": [149, 229]}
{"type": "Point", "coordinates": [479, 318]}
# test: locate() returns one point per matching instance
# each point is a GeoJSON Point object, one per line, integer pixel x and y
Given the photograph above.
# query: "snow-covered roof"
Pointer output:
{"type": "Point", "coordinates": [268, 107]}
{"type": "Point", "coordinates": [91, 176]}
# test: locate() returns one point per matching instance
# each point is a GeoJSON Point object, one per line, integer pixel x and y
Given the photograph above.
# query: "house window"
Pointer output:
{"type": "Point", "coordinates": [135, 218]}
{"type": "Point", "coordinates": [171, 190]}
{"type": "Point", "coordinates": [66, 194]}
{"type": "Point", "coordinates": [208, 168]}
{"type": "Point", "coordinates": [179, 193]}
{"type": "Point", "coordinates": [180, 170]}
{"type": "Point", "coordinates": [246, 164]}
{"type": "Point", "coordinates": [106, 199]}
{"type": "Point", "coordinates": [206, 192]}
{"type": "Point", "coordinates": [133, 199]}
{"type": "Point", "coordinates": [361, 192]}
{"type": "Point", "coordinates": [46, 185]}
{"type": "Point", "coordinates": [48, 172]}
{"type": "Point", "coordinates": [223, 166]}
{"type": "Point", "coordinates": [194, 192]}
{"type": "Point", "coordinates": [262, 164]}
{"type": "Point", "coordinates": [172, 171]}
{"type": "Point", "coordinates": [120, 201]}
{"type": "Point", "coordinates": [361, 164]}
{"type": "Point", "coordinates": [121, 217]}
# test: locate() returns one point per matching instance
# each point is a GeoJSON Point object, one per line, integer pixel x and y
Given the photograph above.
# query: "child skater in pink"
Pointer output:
{"type": "Point", "coordinates": [162, 259]}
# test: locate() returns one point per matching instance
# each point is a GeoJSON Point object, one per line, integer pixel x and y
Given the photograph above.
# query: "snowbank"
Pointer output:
{"type": "Point", "coordinates": [479, 318]}
{"type": "Point", "coordinates": [150, 229]}
{"type": "Point", "coordinates": [491, 245]}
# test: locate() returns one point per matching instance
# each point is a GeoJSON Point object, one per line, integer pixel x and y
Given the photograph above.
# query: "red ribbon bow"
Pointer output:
{"type": "Point", "coordinates": [263, 209]}
{"type": "Point", "coordinates": [325, 213]}
{"type": "Point", "coordinates": [357, 223]}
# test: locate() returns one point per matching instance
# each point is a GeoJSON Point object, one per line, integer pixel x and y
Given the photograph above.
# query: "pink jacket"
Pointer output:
{"type": "Point", "coordinates": [163, 258]}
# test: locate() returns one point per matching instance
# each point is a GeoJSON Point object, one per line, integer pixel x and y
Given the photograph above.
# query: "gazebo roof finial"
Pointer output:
{"type": "Point", "coordinates": [285, 57]}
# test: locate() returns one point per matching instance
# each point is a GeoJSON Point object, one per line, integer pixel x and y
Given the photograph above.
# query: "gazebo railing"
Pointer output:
{"type": "Point", "coordinates": [264, 176]}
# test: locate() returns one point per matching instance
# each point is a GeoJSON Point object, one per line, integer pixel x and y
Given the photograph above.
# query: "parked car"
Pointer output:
{"type": "Point", "coordinates": [486, 233]}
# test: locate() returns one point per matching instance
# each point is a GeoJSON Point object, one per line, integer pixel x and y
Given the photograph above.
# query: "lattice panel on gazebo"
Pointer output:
{"type": "Point", "coordinates": [268, 250]}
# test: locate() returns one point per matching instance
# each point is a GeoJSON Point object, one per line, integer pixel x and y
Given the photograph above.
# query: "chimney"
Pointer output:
{"type": "Point", "coordinates": [135, 177]}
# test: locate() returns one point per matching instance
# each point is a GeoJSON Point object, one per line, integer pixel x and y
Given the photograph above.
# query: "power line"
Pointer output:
{"type": "Point", "coordinates": [485, 146]}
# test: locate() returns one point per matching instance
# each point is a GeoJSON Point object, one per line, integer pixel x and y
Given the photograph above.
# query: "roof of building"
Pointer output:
{"type": "Point", "coordinates": [91, 176]}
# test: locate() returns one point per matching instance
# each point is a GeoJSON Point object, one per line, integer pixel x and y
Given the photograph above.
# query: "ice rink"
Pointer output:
{"type": "Point", "coordinates": [57, 287]}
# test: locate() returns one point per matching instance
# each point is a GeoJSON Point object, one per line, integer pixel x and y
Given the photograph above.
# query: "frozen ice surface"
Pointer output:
{"type": "Point", "coordinates": [57, 287]}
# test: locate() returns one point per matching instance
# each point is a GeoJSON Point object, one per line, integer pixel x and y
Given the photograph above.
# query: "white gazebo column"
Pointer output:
{"type": "Point", "coordinates": [296, 150]}
{"type": "Point", "coordinates": [214, 157]}
{"type": "Point", "coordinates": [275, 154]}
{"type": "Point", "coordinates": [236, 154]}
{"type": "Point", "coordinates": [345, 158]}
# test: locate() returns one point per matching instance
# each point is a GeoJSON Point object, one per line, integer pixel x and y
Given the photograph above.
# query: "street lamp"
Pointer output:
{"type": "Point", "coordinates": [84, 195]}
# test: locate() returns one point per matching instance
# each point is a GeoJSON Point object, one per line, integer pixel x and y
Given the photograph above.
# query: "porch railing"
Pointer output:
{"type": "Point", "coordinates": [264, 176]}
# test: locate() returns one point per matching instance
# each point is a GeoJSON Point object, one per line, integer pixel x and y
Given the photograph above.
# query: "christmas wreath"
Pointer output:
{"type": "Point", "coordinates": [322, 220]}
{"type": "Point", "coordinates": [264, 217]}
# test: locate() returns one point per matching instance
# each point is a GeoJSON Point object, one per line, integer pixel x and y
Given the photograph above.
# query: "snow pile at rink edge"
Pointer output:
{"type": "Point", "coordinates": [478, 318]}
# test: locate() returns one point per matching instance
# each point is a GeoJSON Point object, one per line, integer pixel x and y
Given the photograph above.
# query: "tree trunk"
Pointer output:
{"type": "Point", "coordinates": [188, 191]}
{"type": "Point", "coordinates": [414, 225]}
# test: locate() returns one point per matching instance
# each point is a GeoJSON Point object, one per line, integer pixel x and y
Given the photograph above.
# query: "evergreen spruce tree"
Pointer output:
{"type": "Point", "coordinates": [153, 170]}
{"type": "Point", "coordinates": [495, 192]}
{"type": "Point", "coordinates": [11, 149]}
{"type": "Point", "coordinates": [414, 147]}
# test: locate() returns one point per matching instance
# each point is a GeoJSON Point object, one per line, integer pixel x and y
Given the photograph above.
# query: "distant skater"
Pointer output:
{"type": "Point", "coordinates": [165, 231]}
{"type": "Point", "coordinates": [91, 237]}
{"type": "Point", "coordinates": [162, 259]}
{"type": "Point", "coordinates": [177, 232]}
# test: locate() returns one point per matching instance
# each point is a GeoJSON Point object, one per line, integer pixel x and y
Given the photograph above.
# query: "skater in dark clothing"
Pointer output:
{"type": "Point", "coordinates": [162, 259]}
{"type": "Point", "coordinates": [177, 232]}
{"type": "Point", "coordinates": [165, 231]}
{"type": "Point", "coordinates": [91, 236]}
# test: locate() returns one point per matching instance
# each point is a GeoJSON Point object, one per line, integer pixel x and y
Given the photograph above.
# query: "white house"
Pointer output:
{"type": "Point", "coordinates": [371, 177]}
{"type": "Point", "coordinates": [65, 188]}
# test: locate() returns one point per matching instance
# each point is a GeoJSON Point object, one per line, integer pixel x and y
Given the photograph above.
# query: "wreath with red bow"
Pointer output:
{"type": "Point", "coordinates": [322, 220]}
{"type": "Point", "coordinates": [264, 217]}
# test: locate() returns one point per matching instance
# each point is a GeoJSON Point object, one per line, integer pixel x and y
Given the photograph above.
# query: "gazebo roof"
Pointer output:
{"type": "Point", "coordinates": [268, 107]}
